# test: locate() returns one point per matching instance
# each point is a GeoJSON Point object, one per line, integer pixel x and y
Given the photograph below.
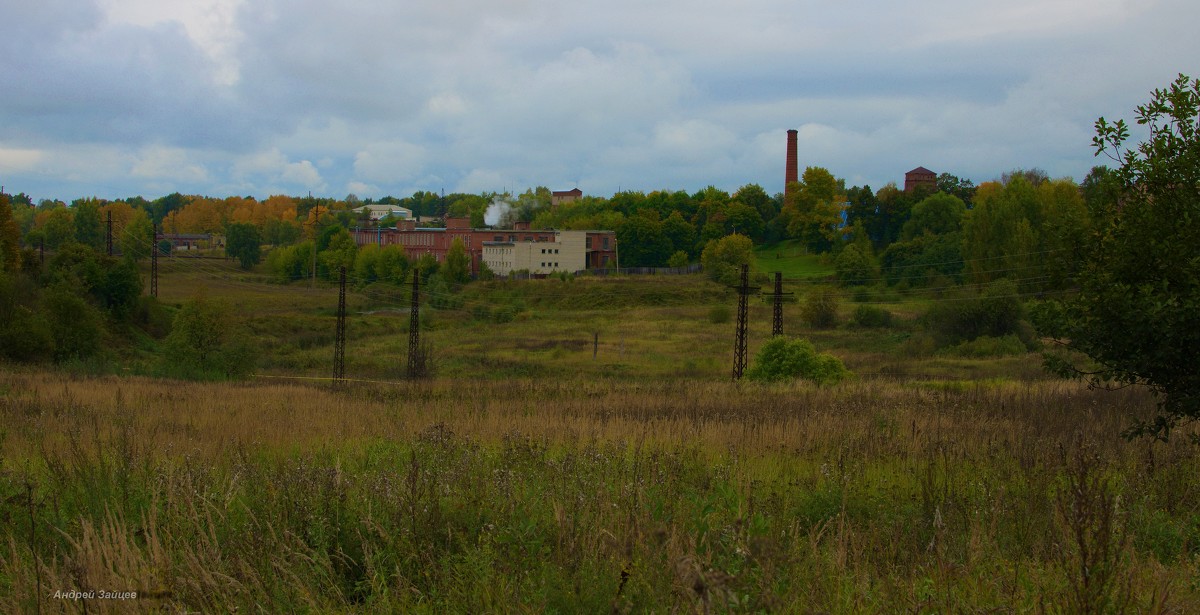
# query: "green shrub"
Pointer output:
{"type": "Point", "coordinates": [820, 309]}
{"type": "Point", "coordinates": [871, 316]}
{"type": "Point", "coordinates": [206, 342]}
{"type": "Point", "coordinates": [855, 266]}
{"type": "Point", "coordinates": [442, 295]}
{"type": "Point", "coordinates": [996, 313]}
{"type": "Point", "coordinates": [723, 258]}
{"type": "Point", "coordinates": [785, 358]}
{"type": "Point", "coordinates": [78, 327]}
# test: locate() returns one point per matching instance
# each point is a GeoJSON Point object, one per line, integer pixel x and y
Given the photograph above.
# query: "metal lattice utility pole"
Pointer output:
{"type": "Point", "coordinates": [739, 342]}
{"type": "Point", "coordinates": [154, 262]}
{"type": "Point", "coordinates": [777, 316]}
{"type": "Point", "coordinates": [339, 340]}
{"type": "Point", "coordinates": [414, 327]}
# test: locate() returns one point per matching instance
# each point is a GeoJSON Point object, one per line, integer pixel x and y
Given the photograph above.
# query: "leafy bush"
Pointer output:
{"type": "Point", "coordinates": [25, 334]}
{"type": "Point", "coordinates": [723, 258]}
{"type": "Point", "coordinates": [785, 358]}
{"type": "Point", "coordinates": [292, 262]}
{"type": "Point", "coordinates": [997, 313]}
{"type": "Point", "coordinates": [77, 326]}
{"type": "Point", "coordinates": [855, 265]}
{"type": "Point", "coordinates": [820, 309]}
{"type": "Point", "coordinates": [442, 294]}
{"type": "Point", "coordinates": [871, 316]}
{"type": "Point", "coordinates": [205, 342]}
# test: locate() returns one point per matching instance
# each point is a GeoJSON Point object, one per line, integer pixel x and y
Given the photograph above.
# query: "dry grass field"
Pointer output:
{"type": "Point", "coordinates": [589, 495]}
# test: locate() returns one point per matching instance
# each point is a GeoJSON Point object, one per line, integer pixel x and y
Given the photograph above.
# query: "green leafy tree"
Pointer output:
{"type": "Point", "coordinates": [77, 326]}
{"type": "Point", "coordinates": [820, 309]}
{"type": "Point", "coordinates": [89, 229]}
{"type": "Point", "coordinates": [1137, 312]}
{"type": "Point", "coordinates": [338, 252]}
{"type": "Point", "coordinates": [119, 288]}
{"type": "Point", "coordinates": [678, 259]}
{"type": "Point", "coordinates": [243, 242]}
{"type": "Point", "coordinates": [25, 333]}
{"type": "Point", "coordinates": [856, 265]}
{"type": "Point", "coordinates": [864, 210]}
{"type": "Point", "coordinates": [949, 184]}
{"type": "Point", "coordinates": [10, 237]}
{"type": "Point", "coordinates": [281, 232]}
{"type": "Point", "coordinates": [723, 258]}
{"type": "Point", "coordinates": [744, 219]}
{"type": "Point", "coordinates": [814, 209]}
{"type": "Point", "coordinates": [936, 214]}
{"type": "Point", "coordinates": [923, 260]}
{"type": "Point", "coordinates": [643, 243]}
{"type": "Point", "coordinates": [680, 233]}
{"type": "Point", "coordinates": [137, 237]}
{"type": "Point", "coordinates": [206, 342]}
{"type": "Point", "coordinates": [291, 263]}
{"type": "Point", "coordinates": [892, 206]}
{"type": "Point", "coordinates": [754, 196]}
{"type": "Point", "coordinates": [57, 225]}
{"type": "Point", "coordinates": [1024, 231]}
{"type": "Point", "coordinates": [457, 268]}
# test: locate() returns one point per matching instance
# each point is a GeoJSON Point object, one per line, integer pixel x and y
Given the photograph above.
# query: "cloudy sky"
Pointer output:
{"type": "Point", "coordinates": [117, 98]}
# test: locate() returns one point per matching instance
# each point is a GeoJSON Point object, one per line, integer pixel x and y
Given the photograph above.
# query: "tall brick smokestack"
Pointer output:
{"type": "Point", "coordinates": [791, 174]}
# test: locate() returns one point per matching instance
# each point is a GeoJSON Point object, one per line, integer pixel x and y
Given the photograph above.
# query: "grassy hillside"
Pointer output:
{"type": "Point", "coordinates": [793, 260]}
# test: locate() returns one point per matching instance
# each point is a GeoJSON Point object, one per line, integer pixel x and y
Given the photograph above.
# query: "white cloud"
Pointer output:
{"type": "Point", "coordinates": [389, 162]}
{"type": "Point", "coordinates": [19, 160]}
{"type": "Point", "coordinates": [302, 173]}
{"type": "Point", "coordinates": [263, 96]}
{"type": "Point", "coordinates": [211, 24]}
{"type": "Point", "coordinates": [165, 163]}
{"type": "Point", "coordinates": [275, 169]}
{"type": "Point", "coordinates": [361, 189]}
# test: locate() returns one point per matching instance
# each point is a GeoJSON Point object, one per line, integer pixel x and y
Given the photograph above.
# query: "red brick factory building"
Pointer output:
{"type": "Point", "coordinates": [599, 249]}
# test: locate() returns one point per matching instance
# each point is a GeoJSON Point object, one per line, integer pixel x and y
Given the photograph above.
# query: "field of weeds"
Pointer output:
{"type": "Point", "coordinates": [585, 496]}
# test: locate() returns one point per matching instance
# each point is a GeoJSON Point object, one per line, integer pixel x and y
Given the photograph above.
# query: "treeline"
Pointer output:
{"type": "Point", "coordinates": [75, 304]}
{"type": "Point", "coordinates": [1023, 226]}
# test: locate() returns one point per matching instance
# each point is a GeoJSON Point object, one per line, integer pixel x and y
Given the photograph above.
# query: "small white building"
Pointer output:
{"type": "Point", "coordinates": [379, 212]}
{"type": "Point", "coordinates": [567, 252]}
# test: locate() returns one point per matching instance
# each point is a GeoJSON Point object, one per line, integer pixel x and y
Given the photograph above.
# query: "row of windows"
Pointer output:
{"type": "Point", "coordinates": [514, 238]}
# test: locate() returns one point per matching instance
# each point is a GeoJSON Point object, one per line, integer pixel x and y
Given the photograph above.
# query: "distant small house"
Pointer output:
{"type": "Point", "coordinates": [565, 196]}
{"type": "Point", "coordinates": [183, 242]}
{"type": "Point", "coordinates": [379, 212]}
{"type": "Point", "coordinates": [920, 177]}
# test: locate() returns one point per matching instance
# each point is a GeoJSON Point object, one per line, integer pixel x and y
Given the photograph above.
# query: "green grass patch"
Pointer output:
{"type": "Point", "coordinates": [793, 260]}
